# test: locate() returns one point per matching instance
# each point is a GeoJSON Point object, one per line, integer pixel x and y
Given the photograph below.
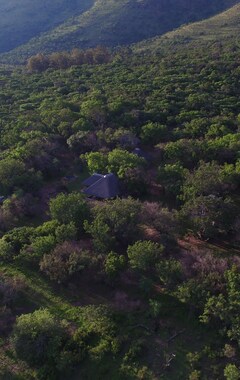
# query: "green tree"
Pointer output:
{"type": "Point", "coordinates": [209, 178]}
{"type": "Point", "coordinates": [7, 251]}
{"type": "Point", "coordinates": [96, 162]}
{"type": "Point", "coordinates": [170, 272]}
{"type": "Point", "coordinates": [41, 245]}
{"type": "Point", "coordinates": [115, 224]}
{"type": "Point", "coordinates": [135, 182]}
{"type": "Point", "coordinates": [113, 264]}
{"type": "Point", "coordinates": [172, 177]}
{"type": "Point", "coordinates": [47, 228]}
{"type": "Point", "coordinates": [103, 239]}
{"type": "Point", "coordinates": [66, 232]}
{"type": "Point", "coordinates": [209, 216]}
{"type": "Point", "coordinates": [70, 208]}
{"type": "Point", "coordinates": [39, 338]}
{"type": "Point", "coordinates": [225, 306]}
{"type": "Point", "coordinates": [186, 152]}
{"type": "Point", "coordinates": [18, 237]}
{"type": "Point", "coordinates": [144, 255]}
{"type": "Point", "coordinates": [231, 372]}
{"type": "Point", "coordinates": [153, 133]}
{"type": "Point", "coordinates": [99, 331]}
{"type": "Point", "coordinates": [12, 172]}
{"type": "Point", "coordinates": [196, 127]}
{"type": "Point", "coordinates": [120, 161]}
{"type": "Point", "coordinates": [94, 109]}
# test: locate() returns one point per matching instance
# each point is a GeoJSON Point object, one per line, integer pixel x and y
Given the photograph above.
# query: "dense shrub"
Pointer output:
{"type": "Point", "coordinates": [39, 339]}
{"type": "Point", "coordinates": [70, 208]}
{"type": "Point", "coordinates": [144, 255]}
{"type": "Point", "coordinates": [64, 261]}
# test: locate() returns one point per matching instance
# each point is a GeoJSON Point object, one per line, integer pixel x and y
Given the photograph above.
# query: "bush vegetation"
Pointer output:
{"type": "Point", "coordinates": [144, 286]}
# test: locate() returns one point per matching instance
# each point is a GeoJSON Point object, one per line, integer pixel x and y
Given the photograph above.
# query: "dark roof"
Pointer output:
{"type": "Point", "coordinates": [69, 177]}
{"type": "Point", "coordinates": [91, 180]}
{"type": "Point", "coordinates": [106, 186]}
{"type": "Point", "coordinates": [129, 139]}
{"type": "Point", "coordinates": [140, 153]}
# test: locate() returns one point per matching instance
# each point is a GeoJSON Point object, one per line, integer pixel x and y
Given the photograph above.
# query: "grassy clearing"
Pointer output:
{"type": "Point", "coordinates": [39, 292]}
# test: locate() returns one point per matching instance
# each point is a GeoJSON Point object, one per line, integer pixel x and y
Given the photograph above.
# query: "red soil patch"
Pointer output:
{"type": "Point", "coordinates": [150, 233]}
{"type": "Point", "coordinates": [123, 302]}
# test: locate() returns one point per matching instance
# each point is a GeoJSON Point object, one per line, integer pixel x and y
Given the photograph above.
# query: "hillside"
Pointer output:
{"type": "Point", "coordinates": [108, 22]}
{"type": "Point", "coordinates": [217, 29]}
{"type": "Point", "coordinates": [22, 20]}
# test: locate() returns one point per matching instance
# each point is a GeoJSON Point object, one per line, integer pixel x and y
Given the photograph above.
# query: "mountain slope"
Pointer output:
{"type": "Point", "coordinates": [220, 28]}
{"type": "Point", "coordinates": [22, 20]}
{"type": "Point", "coordinates": [115, 22]}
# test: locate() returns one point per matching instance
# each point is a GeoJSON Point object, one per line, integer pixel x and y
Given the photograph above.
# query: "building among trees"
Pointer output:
{"type": "Point", "coordinates": [102, 186]}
